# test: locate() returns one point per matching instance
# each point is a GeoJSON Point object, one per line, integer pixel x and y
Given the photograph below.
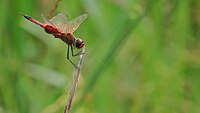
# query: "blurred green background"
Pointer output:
{"type": "Point", "coordinates": [141, 57]}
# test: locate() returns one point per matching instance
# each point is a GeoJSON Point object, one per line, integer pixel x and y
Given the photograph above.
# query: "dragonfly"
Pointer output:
{"type": "Point", "coordinates": [60, 27]}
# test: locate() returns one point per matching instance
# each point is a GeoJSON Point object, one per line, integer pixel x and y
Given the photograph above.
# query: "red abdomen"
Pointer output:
{"type": "Point", "coordinates": [50, 29]}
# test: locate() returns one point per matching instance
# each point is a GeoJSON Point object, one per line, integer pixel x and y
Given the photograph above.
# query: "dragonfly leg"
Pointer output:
{"type": "Point", "coordinates": [79, 53]}
{"type": "Point", "coordinates": [69, 58]}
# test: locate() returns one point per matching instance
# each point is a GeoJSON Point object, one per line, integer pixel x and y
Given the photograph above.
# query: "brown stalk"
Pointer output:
{"type": "Point", "coordinates": [53, 9]}
{"type": "Point", "coordinates": [74, 84]}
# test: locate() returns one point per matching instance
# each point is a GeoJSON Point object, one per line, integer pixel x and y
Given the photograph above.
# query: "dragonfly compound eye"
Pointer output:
{"type": "Point", "coordinates": [79, 43]}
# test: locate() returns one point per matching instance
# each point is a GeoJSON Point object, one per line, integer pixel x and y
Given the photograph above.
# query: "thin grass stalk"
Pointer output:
{"type": "Point", "coordinates": [54, 8]}
{"type": "Point", "coordinates": [74, 84]}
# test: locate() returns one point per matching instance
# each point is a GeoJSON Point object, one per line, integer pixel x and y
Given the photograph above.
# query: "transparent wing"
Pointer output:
{"type": "Point", "coordinates": [72, 25]}
{"type": "Point", "coordinates": [59, 21]}
{"type": "Point", "coordinates": [46, 20]}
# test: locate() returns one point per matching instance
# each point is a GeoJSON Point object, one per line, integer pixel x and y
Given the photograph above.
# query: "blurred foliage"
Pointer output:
{"type": "Point", "coordinates": [141, 57]}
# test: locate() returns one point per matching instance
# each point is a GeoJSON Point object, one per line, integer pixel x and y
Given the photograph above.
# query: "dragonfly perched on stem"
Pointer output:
{"type": "Point", "coordinates": [62, 28]}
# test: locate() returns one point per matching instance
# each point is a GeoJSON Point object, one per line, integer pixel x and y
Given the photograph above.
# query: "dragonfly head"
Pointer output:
{"type": "Point", "coordinates": [79, 43]}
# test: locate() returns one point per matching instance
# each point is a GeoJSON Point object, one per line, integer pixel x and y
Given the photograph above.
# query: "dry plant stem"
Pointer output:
{"type": "Point", "coordinates": [54, 8]}
{"type": "Point", "coordinates": [74, 84]}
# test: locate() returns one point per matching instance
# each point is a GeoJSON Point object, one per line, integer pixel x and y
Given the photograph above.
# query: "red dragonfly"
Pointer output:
{"type": "Point", "coordinates": [62, 28]}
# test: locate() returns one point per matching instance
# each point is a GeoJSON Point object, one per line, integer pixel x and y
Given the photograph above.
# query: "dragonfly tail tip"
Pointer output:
{"type": "Point", "coordinates": [25, 16]}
